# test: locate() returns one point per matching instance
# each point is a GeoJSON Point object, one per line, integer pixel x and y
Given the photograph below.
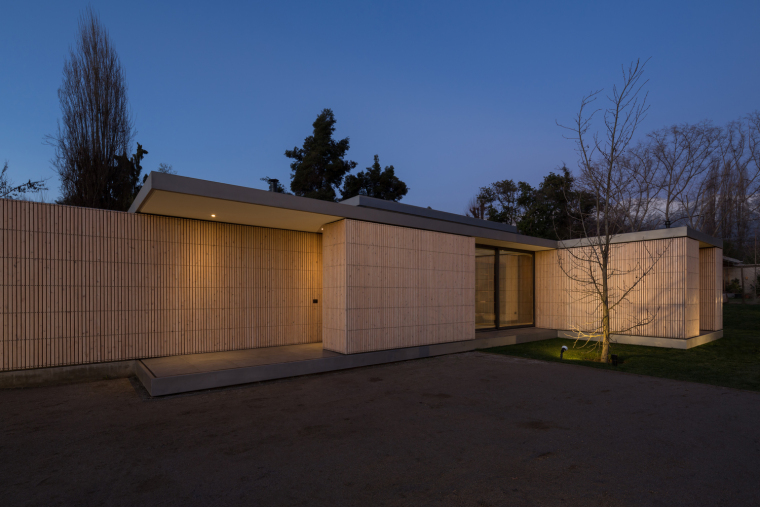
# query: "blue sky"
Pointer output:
{"type": "Point", "coordinates": [454, 95]}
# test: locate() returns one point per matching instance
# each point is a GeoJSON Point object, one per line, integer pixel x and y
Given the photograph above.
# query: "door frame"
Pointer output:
{"type": "Point", "coordinates": [497, 313]}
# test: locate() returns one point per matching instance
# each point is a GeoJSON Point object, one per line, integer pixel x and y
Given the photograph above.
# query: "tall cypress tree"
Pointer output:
{"type": "Point", "coordinates": [96, 130]}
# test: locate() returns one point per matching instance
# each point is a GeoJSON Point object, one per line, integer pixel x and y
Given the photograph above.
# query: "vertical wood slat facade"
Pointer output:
{"type": "Point", "coordinates": [84, 285]}
{"type": "Point", "coordinates": [334, 286]}
{"type": "Point", "coordinates": [671, 292]}
{"type": "Point", "coordinates": [390, 287]}
{"type": "Point", "coordinates": [711, 289]}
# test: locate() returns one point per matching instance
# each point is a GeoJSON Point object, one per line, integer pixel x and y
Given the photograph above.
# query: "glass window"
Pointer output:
{"type": "Point", "coordinates": [515, 288]}
{"type": "Point", "coordinates": [485, 302]}
{"type": "Point", "coordinates": [503, 288]}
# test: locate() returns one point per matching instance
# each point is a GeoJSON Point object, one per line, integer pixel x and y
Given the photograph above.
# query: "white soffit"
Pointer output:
{"type": "Point", "coordinates": [174, 204]}
{"type": "Point", "coordinates": [510, 244]}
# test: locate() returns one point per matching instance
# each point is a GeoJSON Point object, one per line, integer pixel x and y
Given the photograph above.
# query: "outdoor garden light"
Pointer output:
{"type": "Point", "coordinates": [562, 351]}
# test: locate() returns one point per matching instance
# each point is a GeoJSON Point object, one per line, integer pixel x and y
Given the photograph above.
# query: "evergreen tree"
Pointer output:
{"type": "Point", "coordinates": [274, 185]}
{"type": "Point", "coordinates": [125, 179]}
{"type": "Point", "coordinates": [374, 182]}
{"type": "Point", "coordinates": [318, 168]}
{"type": "Point", "coordinates": [554, 209]}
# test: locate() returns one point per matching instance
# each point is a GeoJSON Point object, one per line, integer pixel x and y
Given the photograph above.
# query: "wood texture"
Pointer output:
{"type": "Point", "coordinates": [83, 285]}
{"type": "Point", "coordinates": [334, 287]}
{"type": "Point", "coordinates": [670, 293]}
{"type": "Point", "coordinates": [390, 287]}
{"type": "Point", "coordinates": [711, 289]}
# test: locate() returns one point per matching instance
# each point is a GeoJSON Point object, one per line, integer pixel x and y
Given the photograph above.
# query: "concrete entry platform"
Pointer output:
{"type": "Point", "coordinates": [162, 376]}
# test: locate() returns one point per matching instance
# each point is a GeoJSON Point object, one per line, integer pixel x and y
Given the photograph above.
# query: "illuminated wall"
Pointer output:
{"type": "Point", "coordinates": [82, 285]}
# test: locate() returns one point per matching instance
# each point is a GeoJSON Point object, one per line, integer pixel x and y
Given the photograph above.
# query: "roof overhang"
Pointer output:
{"type": "Point", "coordinates": [180, 196]}
{"type": "Point", "coordinates": [199, 207]}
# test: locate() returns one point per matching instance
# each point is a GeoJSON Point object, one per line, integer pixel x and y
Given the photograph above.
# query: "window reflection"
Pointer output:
{"type": "Point", "coordinates": [515, 288]}
{"type": "Point", "coordinates": [485, 270]}
{"type": "Point", "coordinates": [503, 288]}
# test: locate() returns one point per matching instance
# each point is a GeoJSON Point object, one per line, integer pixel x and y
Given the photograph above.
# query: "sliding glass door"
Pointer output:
{"type": "Point", "coordinates": [503, 288]}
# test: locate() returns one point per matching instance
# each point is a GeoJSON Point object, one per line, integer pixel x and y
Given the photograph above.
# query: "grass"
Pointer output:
{"type": "Point", "coordinates": [732, 361]}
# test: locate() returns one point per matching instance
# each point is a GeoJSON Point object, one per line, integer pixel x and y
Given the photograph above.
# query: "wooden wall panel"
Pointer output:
{"type": "Point", "coordinates": [669, 293]}
{"type": "Point", "coordinates": [711, 289]}
{"type": "Point", "coordinates": [396, 287]}
{"type": "Point", "coordinates": [334, 287]}
{"type": "Point", "coordinates": [83, 285]}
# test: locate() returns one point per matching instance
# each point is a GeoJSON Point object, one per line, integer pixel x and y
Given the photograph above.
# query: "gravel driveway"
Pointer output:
{"type": "Point", "coordinates": [467, 429]}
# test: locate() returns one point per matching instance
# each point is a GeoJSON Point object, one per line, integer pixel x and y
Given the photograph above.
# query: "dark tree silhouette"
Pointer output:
{"type": "Point", "coordinates": [274, 185]}
{"type": "Point", "coordinates": [375, 182]}
{"type": "Point", "coordinates": [546, 209]}
{"type": "Point", "coordinates": [318, 168]}
{"type": "Point", "coordinates": [8, 190]}
{"type": "Point", "coordinates": [96, 128]}
{"type": "Point", "coordinates": [126, 183]}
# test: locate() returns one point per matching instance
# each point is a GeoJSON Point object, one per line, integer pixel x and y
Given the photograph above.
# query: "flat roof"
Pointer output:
{"type": "Point", "coordinates": [705, 240]}
{"type": "Point", "coordinates": [180, 196]}
{"type": "Point", "coordinates": [408, 209]}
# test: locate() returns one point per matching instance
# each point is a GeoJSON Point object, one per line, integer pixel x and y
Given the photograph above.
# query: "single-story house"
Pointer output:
{"type": "Point", "coordinates": [197, 267]}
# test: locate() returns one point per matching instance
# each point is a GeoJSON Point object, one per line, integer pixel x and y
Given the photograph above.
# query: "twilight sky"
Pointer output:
{"type": "Point", "coordinates": [454, 94]}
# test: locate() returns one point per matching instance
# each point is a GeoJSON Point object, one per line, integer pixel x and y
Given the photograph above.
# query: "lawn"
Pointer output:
{"type": "Point", "coordinates": [732, 361]}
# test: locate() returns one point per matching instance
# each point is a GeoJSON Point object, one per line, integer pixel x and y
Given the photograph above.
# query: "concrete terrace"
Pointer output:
{"type": "Point", "coordinates": [193, 372]}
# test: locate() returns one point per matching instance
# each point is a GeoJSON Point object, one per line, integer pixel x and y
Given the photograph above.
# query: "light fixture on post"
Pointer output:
{"type": "Point", "coordinates": [562, 351]}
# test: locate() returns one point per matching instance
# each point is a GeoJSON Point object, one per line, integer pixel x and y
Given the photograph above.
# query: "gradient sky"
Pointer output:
{"type": "Point", "coordinates": [454, 94]}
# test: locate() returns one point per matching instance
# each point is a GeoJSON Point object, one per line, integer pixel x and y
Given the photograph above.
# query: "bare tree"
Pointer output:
{"type": "Point", "coordinates": [166, 168]}
{"type": "Point", "coordinates": [96, 124]}
{"type": "Point", "coordinates": [8, 190]}
{"type": "Point", "coordinates": [476, 208]}
{"type": "Point", "coordinates": [729, 207]}
{"type": "Point", "coordinates": [682, 153]}
{"type": "Point", "coordinates": [636, 186]}
{"type": "Point", "coordinates": [588, 263]}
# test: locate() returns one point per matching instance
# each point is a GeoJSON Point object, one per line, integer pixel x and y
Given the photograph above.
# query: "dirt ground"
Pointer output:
{"type": "Point", "coordinates": [468, 429]}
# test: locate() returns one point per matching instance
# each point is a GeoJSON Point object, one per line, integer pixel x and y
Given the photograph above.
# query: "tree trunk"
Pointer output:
{"type": "Point", "coordinates": [605, 309]}
{"type": "Point", "coordinates": [605, 333]}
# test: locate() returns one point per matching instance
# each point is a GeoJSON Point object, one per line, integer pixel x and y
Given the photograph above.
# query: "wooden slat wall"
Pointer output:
{"type": "Point", "coordinates": [83, 285]}
{"type": "Point", "coordinates": [670, 291]}
{"type": "Point", "coordinates": [334, 287]}
{"type": "Point", "coordinates": [397, 287]}
{"type": "Point", "coordinates": [692, 288]}
{"type": "Point", "coordinates": [711, 289]}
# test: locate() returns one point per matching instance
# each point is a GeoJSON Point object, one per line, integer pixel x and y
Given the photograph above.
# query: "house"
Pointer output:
{"type": "Point", "coordinates": [740, 280]}
{"type": "Point", "coordinates": [198, 267]}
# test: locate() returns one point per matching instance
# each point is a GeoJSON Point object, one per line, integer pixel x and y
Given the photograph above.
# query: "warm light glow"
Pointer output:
{"type": "Point", "coordinates": [213, 216]}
